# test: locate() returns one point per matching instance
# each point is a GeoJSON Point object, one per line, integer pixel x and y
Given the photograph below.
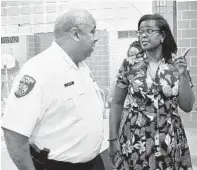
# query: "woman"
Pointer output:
{"type": "Point", "coordinates": [134, 49]}
{"type": "Point", "coordinates": [148, 133]}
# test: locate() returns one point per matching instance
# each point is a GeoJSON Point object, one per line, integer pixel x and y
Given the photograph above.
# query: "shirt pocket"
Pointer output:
{"type": "Point", "coordinates": [72, 97]}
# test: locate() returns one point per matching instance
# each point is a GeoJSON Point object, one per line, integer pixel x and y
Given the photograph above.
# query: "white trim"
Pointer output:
{"type": "Point", "coordinates": [16, 34]}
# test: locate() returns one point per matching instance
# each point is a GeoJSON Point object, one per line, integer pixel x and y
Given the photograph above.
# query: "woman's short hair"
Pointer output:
{"type": "Point", "coordinates": [169, 44]}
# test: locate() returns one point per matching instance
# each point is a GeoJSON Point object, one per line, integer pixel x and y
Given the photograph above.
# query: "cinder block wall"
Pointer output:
{"type": "Point", "coordinates": [168, 10]}
{"type": "Point", "coordinates": [99, 61]}
{"type": "Point", "coordinates": [187, 35]}
{"type": "Point", "coordinates": [183, 22]}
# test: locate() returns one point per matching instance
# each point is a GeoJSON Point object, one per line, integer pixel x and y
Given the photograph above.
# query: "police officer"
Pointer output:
{"type": "Point", "coordinates": [55, 102]}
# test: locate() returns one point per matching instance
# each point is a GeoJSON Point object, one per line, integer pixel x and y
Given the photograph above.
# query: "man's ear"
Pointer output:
{"type": "Point", "coordinates": [75, 33]}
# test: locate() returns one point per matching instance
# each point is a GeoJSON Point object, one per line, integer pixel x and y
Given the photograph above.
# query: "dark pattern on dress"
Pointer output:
{"type": "Point", "coordinates": [151, 132]}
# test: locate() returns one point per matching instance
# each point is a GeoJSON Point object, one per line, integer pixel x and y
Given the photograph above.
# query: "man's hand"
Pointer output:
{"type": "Point", "coordinates": [180, 62]}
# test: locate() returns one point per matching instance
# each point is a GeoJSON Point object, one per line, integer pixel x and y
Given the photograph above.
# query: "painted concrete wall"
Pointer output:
{"type": "Point", "coordinates": [187, 37]}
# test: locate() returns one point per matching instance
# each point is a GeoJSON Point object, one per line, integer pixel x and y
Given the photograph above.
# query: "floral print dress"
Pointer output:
{"type": "Point", "coordinates": [151, 133]}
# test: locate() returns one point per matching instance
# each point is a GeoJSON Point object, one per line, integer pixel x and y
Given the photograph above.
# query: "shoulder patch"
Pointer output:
{"type": "Point", "coordinates": [26, 84]}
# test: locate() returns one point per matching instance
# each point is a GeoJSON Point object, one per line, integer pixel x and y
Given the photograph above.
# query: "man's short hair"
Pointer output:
{"type": "Point", "coordinates": [70, 19]}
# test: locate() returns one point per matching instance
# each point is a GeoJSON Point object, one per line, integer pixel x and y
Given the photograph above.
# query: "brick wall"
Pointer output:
{"type": "Point", "coordinates": [187, 37]}
{"type": "Point", "coordinates": [27, 16]}
{"type": "Point", "coordinates": [42, 41]}
{"type": "Point", "coordinates": [99, 61]}
{"type": "Point", "coordinates": [168, 10]}
{"type": "Point", "coordinates": [31, 49]}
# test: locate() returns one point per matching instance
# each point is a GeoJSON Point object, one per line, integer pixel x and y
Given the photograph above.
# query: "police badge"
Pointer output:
{"type": "Point", "coordinates": [25, 86]}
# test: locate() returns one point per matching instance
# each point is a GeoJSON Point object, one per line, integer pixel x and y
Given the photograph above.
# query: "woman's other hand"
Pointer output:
{"type": "Point", "coordinates": [114, 149]}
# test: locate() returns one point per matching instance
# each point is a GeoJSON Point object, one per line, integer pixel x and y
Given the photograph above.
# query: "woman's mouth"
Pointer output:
{"type": "Point", "coordinates": [144, 42]}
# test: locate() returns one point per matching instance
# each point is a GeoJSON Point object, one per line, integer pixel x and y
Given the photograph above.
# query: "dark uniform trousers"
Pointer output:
{"type": "Point", "coordinates": [39, 158]}
{"type": "Point", "coordinates": [95, 164]}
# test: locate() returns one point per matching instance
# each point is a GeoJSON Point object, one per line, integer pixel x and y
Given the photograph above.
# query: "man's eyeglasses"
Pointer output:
{"type": "Point", "coordinates": [147, 32]}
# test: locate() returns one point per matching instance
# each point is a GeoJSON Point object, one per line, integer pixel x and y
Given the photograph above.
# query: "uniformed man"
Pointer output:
{"type": "Point", "coordinates": [55, 102]}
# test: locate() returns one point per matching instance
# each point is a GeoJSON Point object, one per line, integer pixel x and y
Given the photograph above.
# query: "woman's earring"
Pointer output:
{"type": "Point", "coordinates": [161, 40]}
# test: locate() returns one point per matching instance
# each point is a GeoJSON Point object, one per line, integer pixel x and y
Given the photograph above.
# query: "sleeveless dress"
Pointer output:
{"type": "Point", "coordinates": [151, 133]}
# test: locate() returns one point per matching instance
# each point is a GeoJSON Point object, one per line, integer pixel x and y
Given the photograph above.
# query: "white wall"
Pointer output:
{"type": "Point", "coordinates": [111, 15]}
{"type": "Point", "coordinates": [28, 17]}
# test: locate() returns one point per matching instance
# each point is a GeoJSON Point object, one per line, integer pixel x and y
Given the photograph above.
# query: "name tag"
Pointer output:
{"type": "Point", "coordinates": [69, 84]}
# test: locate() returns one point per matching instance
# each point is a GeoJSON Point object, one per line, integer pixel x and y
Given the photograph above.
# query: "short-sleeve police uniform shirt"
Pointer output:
{"type": "Point", "coordinates": [57, 105]}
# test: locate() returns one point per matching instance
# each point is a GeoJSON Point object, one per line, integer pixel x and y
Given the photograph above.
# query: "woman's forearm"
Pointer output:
{"type": "Point", "coordinates": [186, 95]}
{"type": "Point", "coordinates": [114, 120]}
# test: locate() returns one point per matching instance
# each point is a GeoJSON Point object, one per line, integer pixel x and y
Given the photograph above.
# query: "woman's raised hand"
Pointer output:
{"type": "Point", "coordinates": [180, 62]}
